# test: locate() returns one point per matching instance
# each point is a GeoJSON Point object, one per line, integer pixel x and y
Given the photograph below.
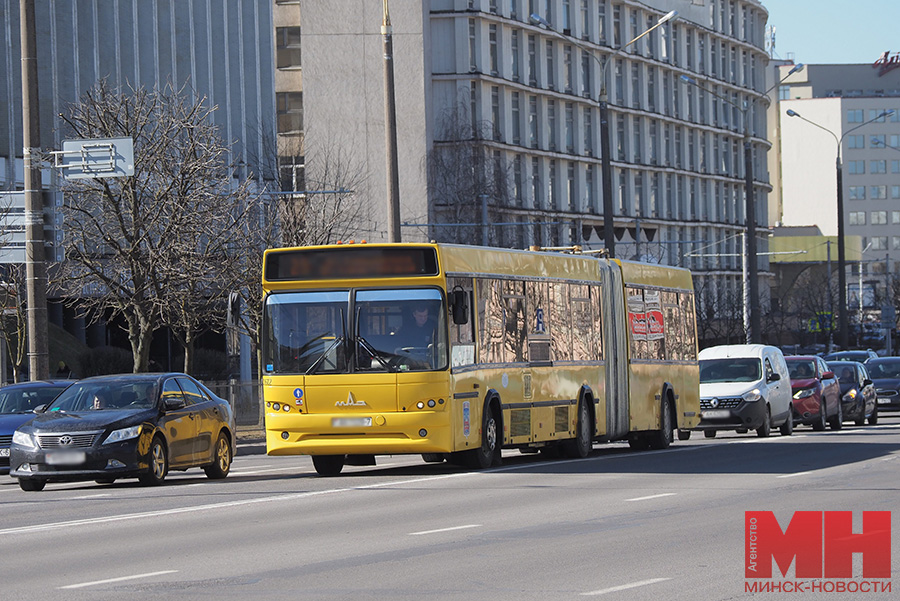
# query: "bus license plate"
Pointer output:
{"type": "Point", "coordinates": [66, 458]}
{"type": "Point", "coordinates": [715, 414]}
{"type": "Point", "coordinates": [4, 452]}
{"type": "Point", "coordinates": [352, 422]}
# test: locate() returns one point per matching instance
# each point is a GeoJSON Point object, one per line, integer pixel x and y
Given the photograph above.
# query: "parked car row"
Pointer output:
{"type": "Point", "coordinates": [111, 427]}
{"type": "Point", "coordinates": [747, 387]}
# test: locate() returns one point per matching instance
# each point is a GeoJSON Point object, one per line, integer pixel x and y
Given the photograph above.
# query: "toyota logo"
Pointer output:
{"type": "Point", "coordinates": [65, 440]}
{"type": "Point", "coordinates": [714, 402]}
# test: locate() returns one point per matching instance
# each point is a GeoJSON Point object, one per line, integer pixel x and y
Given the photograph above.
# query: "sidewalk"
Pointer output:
{"type": "Point", "coordinates": [251, 440]}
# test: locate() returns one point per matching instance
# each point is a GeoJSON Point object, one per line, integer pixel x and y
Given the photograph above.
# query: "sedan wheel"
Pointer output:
{"type": "Point", "coordinates": [221, 464]}
{"type": "Point", "coordinates": [159, 464]}
{"type": "Point", "coordinates": [873, 418]}
{"type": "Point", "coordinates": [31, 484]}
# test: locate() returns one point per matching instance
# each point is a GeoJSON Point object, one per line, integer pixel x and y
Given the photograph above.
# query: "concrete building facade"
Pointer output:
{"type": "Point", "coordinates": [222, 50]}
{"type": "Point", "coordinates": [847, 101]}
{"type": "Point", "coordinates": [499, 131]}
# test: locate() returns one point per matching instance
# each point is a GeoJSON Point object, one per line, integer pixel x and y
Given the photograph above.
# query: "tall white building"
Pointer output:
{"type": "Point", "coordinates": [497, 117]}
{"type": "Point", "coordinates": [847, 101]}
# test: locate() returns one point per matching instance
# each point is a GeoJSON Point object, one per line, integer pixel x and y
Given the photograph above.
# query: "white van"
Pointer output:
{"type": "Point", "coordinates": [744, 387]}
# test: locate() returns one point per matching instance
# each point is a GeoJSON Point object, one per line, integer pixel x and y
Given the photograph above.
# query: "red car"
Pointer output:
{"type": "Point", "coordinates": [816, 393]}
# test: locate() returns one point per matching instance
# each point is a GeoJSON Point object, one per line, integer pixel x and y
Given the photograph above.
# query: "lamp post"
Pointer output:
{"type": "Point", "coordinates": [843, 329]}
{"type": "Point", "coordinates": [753, 329]}
{"type": "Point", "coordinates": [609, 238]}
{"type": "Point", "coordinates": [390, 129]}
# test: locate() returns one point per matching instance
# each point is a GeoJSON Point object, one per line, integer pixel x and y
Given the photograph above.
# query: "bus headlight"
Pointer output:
{"type": "Point", "coordinates": [420, 405]}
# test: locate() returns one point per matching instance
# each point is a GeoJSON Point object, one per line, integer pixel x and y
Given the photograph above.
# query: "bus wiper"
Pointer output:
{"type": "Point", "coordinates": [334, 344]}
{"type": "Point", "coordinates": [376, 354]}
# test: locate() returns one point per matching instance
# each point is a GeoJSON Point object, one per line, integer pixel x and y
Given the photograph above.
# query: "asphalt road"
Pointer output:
{"type": "Point", "coordinates": [617, 525]}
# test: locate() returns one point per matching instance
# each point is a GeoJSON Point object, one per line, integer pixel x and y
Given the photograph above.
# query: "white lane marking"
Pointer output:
{"type": "Point", "coordinates": [445, 529]}
{"type": "Point", "coordinates": [97, 496]}
{"type": "Point", "coordinates": [274, 469]}
{"type": "Point", "coordinates": [207, 507]}
{"type": "Point", "coordinates": [665, 494]}
{"type": "Point", "coordinates": [120, 579]}
{"type": "Point", "coordinates": [624, 587]}
{"type": "Point", "coordinates": [793, 475]}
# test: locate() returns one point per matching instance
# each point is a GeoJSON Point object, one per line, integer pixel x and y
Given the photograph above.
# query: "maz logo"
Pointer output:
{"type": "Point", "coordinates": [351, 402]}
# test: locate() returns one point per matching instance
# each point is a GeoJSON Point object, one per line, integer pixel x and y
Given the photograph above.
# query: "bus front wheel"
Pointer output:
{"type": "Point", "coordinates": [328, 465]}
{"type": "Point", "coordinates": [662, 438]}
{"type": "Point", "coordinates": [489, 451]}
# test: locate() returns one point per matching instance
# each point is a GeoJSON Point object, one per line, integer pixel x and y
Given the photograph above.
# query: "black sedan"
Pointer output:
{"type": "Point", "coordinates": [17, 404]}
{"type": "Point", "coordinates": [858, 397]}
{"type": "Point", "coordinates": [885, 374]}
{"type": "Point", "coordinates": [125, 426]}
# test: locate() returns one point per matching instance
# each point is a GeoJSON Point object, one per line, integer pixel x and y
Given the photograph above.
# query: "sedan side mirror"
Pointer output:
{"type": "Point", "coordinates": [40, 408]}
{"type": "Point", "coordinates": [174, 403]}
{"type": "Point", "coordinates": [867, 382]}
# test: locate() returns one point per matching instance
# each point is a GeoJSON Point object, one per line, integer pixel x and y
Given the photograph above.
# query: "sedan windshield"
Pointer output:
{"type": "Point", "coordinates": [126, 393]}
{"type": "Point", "coordinates": [741, 369]}
{"type": "Point", "coordinates": [884, 369]}
{"type": "Point", "coordinates": [23, 400]}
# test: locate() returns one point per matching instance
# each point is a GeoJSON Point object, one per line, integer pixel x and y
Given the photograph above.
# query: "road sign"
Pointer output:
{"type": "Point", "coordinates": [101, 157]}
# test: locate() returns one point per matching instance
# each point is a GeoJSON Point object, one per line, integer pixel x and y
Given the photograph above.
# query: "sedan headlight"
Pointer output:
{"type": "Point", "coordinates": [123, 434]}
{"type": "Point", "coordinates": [752, 396]}
{"type": "Point", "coordinates": [806, 392]}
{"type": "Point", "coordinates": [851, 395]}
{"type": "Point", "coordinates": [23, 439]}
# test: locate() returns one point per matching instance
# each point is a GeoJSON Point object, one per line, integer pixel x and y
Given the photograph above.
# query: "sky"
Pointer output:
{"type": "Point", "coordinates": [834, 31]}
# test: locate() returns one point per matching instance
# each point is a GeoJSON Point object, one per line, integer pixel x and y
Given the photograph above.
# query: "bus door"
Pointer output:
{"type": "Point", "coordinates": [616, 350]}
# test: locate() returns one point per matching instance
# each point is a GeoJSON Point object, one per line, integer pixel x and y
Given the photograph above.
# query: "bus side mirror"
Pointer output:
{"type": "Point", "coordinates": [459, 307]}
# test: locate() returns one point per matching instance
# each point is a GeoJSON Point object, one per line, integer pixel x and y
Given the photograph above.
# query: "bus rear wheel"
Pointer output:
{"type": "Point", "coordinates": [328, 465]}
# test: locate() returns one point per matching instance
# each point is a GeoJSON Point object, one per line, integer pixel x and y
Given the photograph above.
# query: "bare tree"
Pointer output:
{"type": "Point", "coordinates": [137, 247]}
{"type": "Point", "coordinates": [328, 210]}
{"type": "Point", "coordinates": [12, 319]}
{"type": "Point", "coordinates": [719, 313]}
{"type": "Point", "coordinates": [464, 179]}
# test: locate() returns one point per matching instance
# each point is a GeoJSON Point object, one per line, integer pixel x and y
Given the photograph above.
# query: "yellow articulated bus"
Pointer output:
{"type": "Point", "coordinates": [456, 352]}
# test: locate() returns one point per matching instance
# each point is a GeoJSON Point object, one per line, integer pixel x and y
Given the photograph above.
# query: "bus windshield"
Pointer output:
{"type": "Point", "coordinates": [392, 330]}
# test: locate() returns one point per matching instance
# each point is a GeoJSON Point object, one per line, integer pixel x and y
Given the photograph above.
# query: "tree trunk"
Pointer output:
{"type": "Point", "coordinates": [188, 353]}
{"type": "Point", "coordinates": [140, 334]}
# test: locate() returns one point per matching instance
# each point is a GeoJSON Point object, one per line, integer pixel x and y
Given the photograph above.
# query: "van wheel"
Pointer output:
{"type": "Point", "coordinates": [766, 428]}
{"type": "Point", "coordinates": [787, 428]}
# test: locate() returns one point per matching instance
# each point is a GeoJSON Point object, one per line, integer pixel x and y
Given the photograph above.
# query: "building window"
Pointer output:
{"type": "Point", "coordinates": [585, 20]}
{"type": "Point", "coordinates": [536, 182]}
{"type": "Point", "coordinates": [570, 186]}
{"type": "Point", "coordinates": [532, 61]}
{"type": "Point", "coordinates": [617, 25]}
{"type": "Point", "coordinates": [895, 243]}
{"type": "Point", "coordinates": [495, 112]}
{"type": "Point", "coordinates": [636, 141]}
{"type": "Point", "coordinates": [495, 59]}
{"type": "Point", "coordinates": [877, 192]}
{"type": "Point", "coordinates": [877, 166]}
{"type": "Point", "coordinates": [570, 127]}
{"type": "Point", "coordinates": [895, 192]}
{"type": "Point", "coordinates": [290, 111]}
{"type": "Point", "coordinates": [570, 69]}
{"type": "Point", "coordinates": [516, 119]}
{"type": "Point", "coordinates": [585, 74]}
{"type": "Point", "coordinates": [895, 217]}
{"type": "Point", "coordinates": [895, 166]}
{"type": "Point", "coordinates": [518, 183]}
{"type": "Point", "coordinates": [879, 242]}
{"type": "Point", "coordinates": [588, 132]}
{"type": "Point", "coordinates": [856, 142]}
{"type": "Point", "coordinates": [636, 91]}
{"type": "Point", "coordinates": [287, 47]}
{"type": "Point", "coordinates": [551, 122]}
{"type": "Point", "coordinates": [533, 121]}
{"type": "Point", "coordinates": [553, 198]}
{"type": "Point", "coordinates": [601, 20]}
{"type": "Point", "coordinates": [473, 65]}
{"type": "Point", "coordinates": [856, 167]}
{"type": "Point", "coordinates": [551, 72]}
{"type": "Point", "coordinates": [879, 217]}
{"type": "Point", "coordinates": [514, 55]}
{"type": "Point", "coordinates": [877, 141]}
{"type": "Point", "coordinates": [857, 192]}
{"type": "Point", "coordinates": [854, 116]}
{"type": "Point", "coordinates": [857, 217]}
{"type": "Point", "coordinates": [876, 115]}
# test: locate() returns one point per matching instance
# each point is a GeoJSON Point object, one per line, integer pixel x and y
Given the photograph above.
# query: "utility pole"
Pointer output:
{"type": "Point", "coordinates": [390, 129]}
{"type": "Point", "coordinates": [35, 267]}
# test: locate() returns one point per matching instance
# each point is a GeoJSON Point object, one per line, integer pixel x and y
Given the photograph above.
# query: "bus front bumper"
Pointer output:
{"type": "Point", "coordinates": [410, 432]}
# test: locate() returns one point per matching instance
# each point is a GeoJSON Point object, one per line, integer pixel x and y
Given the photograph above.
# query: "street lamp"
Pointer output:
{"type": "Point", "coordinates": [843, 330]}
{"type": "Point", "coordinates": [753, 329]}
{"type": "Point", "coordinates": [609, 238]}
